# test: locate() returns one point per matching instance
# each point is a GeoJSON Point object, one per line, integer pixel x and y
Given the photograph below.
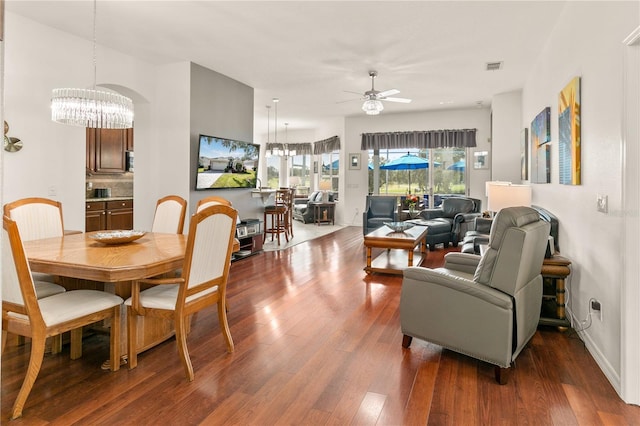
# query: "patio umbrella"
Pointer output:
{"type": "Point", "coordinates": [458, 166]}
{"type": "Point", "coordinates": [408, 162]}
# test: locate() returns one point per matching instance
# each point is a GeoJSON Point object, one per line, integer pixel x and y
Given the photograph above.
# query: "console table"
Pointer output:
{"type": "Point", "coordinates": [324, 212]}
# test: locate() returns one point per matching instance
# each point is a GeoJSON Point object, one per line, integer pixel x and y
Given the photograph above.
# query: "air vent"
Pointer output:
{"type": "Point", "coordinates": [494, 66]}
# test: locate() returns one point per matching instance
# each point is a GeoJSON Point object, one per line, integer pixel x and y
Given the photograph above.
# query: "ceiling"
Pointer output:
{"type": "Point", "coordinates": [312, 54]}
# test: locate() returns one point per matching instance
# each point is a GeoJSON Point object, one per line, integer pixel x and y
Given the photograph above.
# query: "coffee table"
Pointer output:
{"type": "Point", "coordinates": [394, 260]}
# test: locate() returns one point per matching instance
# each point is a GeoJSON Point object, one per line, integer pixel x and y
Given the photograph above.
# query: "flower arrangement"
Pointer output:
{"type": "Point", "coordinates": [412, 200]}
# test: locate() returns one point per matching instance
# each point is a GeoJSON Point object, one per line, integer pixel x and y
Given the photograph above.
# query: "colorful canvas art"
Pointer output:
{"type": "Point", "coordinates": [540, 152]}
{"type": "Point", "coordinates": [569, 133]}
{"type": "Point", "coordinates": [540, 127]}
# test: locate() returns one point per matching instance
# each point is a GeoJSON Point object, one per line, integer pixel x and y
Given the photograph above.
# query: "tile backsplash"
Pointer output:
{"type": "Point", "coordinates": [121, 185]}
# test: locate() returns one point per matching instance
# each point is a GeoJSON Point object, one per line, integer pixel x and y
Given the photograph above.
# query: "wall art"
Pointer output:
{"type": "Point", "coordinates": [569, 133]}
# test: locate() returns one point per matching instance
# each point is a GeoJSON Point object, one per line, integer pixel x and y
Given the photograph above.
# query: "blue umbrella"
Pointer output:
{"type": "Point", "coordinates": [408, 162]}
{"type": "Point", "coordinates": [458, 166]}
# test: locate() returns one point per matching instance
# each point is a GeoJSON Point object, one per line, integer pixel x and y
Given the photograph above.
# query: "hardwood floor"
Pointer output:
{"type": "Point", "coordinates": [317, 341]}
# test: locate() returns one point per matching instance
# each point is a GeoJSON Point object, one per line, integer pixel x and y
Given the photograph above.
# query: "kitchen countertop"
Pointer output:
{"type": "Point", "coordinates": [89, 200]}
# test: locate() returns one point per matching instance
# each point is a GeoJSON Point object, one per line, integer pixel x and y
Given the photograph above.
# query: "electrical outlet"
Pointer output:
{"type": "Point", "coordinates": [53, 191]}
{"type": "Point", "coordinates": [595, 308]}
{"type": "Point", "coordinates": [357, 211]}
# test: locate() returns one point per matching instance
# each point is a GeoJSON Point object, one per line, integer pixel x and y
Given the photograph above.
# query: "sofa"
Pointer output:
{"type": "Point", "coordinates": [449, 223]}
{"type": "Point", "coordinates": [378, 210]}
{"type": "Point", "coordinates": [302, 211]}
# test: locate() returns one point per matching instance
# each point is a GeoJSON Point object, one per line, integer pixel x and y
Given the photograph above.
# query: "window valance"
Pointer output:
{"type": "Point", "coordinates": [327, 145]}
{"type": "Point", "coordinates": [303, 148]}
{"type": "Point", "coordinates": [461, 138]}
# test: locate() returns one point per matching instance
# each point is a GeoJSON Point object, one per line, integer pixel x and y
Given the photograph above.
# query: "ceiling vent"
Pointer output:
{"type": "Point", "coordinates": [494, 66]}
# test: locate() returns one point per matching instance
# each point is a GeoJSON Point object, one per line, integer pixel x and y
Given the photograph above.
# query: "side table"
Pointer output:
{"type": "Point", "coordinates": [555, 270]}
{"type": "Point", "coordinates": [324, 212]}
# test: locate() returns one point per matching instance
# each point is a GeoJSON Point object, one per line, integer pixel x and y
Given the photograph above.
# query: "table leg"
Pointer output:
{"type": "Point", "coordinates": [560, 303]}
{"type": "Point", "coordinates": [410, 257]}
{"type": "Point", "coordinates": [368, 257]}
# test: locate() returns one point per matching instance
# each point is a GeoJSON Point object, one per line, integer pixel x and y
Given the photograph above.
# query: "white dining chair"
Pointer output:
{"type": "Point", "coordinates": [38, 218]}
{"type": "Point", "coordinates": [203, 283]}
{"type": "Point", "coordinates": [26, 315]}
{"type": "Point", "coordinates": [169, 215]}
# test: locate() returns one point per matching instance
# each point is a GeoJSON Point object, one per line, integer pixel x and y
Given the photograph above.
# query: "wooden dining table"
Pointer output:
{"type": "Point", "coordinates": [83, 262]}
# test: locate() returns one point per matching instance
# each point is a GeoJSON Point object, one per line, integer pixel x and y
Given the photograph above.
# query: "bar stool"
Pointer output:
{"type": "Point", "coordinates": [275, 216]}
{"type": "Point", "coordinates": [289, 201]}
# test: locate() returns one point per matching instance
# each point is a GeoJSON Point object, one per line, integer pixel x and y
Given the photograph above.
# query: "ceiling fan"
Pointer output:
{"type": "Point", "coordinates": [373, 98]}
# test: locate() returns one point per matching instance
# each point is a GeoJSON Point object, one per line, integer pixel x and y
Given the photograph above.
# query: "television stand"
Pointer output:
{"type": "Point", "coordinates": [249, 234]}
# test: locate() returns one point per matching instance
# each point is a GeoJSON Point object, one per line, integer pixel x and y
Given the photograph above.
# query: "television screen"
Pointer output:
{"type": "Point", "coordinates": [226, 163]}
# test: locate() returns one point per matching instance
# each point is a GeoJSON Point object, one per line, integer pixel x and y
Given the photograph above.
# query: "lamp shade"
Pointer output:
{"type": "Point", "coordinates": [372, 107]}
{"type": "Point", "coordinates": [501, 196]}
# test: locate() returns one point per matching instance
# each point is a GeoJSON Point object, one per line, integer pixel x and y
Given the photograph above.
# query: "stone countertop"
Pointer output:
{"type": "Point", "coordinates": [89, 200]}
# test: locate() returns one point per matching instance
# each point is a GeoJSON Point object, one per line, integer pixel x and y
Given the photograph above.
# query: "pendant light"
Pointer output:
{"type": "Point", "coordinates": [92, 108]}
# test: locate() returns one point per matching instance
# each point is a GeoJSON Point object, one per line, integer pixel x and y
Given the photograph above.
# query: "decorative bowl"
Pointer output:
{"type": "Point", "coordinates": [117, 237]}
{"type": "Point", "coordinates": [399, 226]}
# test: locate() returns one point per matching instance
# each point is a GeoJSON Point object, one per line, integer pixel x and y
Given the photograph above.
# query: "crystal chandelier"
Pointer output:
{"type": "Point", "coordinates": [90, 107]}
{"type": "Point", "coordinates": [372, 107]}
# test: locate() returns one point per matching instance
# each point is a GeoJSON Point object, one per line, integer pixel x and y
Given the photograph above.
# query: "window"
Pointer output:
{"type": "Point", "coordinates": [329, 177]}
{"type": "Point", "coordinates": [299, 174]}
{"type": "Point", "coordinates": [447, 176]}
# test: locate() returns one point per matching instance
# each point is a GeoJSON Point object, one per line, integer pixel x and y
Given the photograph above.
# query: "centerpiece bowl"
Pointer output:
{"type": "Point", "coordinates": [399, 226]}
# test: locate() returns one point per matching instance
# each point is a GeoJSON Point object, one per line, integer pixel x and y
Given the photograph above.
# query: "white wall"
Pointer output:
{"type": "Point", "coordinates": [587, 42]}
{"type": "Point", "coordinates": [52, 163]}
{"type": "Point", "coordinates": [505, 139]}
{"type": "Point", "coordinates": [356, 183]}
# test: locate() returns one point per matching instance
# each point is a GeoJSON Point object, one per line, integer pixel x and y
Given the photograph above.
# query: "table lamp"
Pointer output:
{"type": "Point", "coordinates": [503, 195]}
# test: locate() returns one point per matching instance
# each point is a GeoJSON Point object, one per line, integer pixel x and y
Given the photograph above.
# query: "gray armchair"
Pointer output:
{"type": "Point", "coordinates": [448, 223]}
{"type": "Point", "coordinates": [379, 209]}
{"type": "Point", "coordinates": [485, 307]}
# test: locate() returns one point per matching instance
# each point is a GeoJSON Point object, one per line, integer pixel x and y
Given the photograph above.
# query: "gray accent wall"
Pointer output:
{"type": "Point", "coordinates": [223, 107]}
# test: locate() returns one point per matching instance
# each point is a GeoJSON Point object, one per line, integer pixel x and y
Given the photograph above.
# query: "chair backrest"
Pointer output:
{"type": "Point", "coordinates": [208, 252]}
{"type": "Point", "coordinates": [454, 205]}
{"type": "Point", "coordinates": [36, 218]}
{"type": "Point", "coordinates": [517, 244]}
{"type": "Point", "coordinates": [17, 284]}
{"type": "Point", "coordinates": [381, 205]}
{"type": "Point", "coordinates": [169, 216]}
{"type": "Point", "coordinates": [209, 201]}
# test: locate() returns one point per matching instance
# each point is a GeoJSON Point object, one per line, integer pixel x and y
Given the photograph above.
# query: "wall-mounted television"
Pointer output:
{"type": "Point", "coordinates": [226, 163]}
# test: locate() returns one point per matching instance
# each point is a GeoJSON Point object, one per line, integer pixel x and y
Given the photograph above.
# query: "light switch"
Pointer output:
{"type": "Point", "coordinates": [603, 203]}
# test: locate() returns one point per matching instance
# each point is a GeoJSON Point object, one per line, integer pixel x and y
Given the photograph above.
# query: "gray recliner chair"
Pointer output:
{"type": "Point", "coordinates": [486, 307]}
{"type": "Point", "coordinates": [378, 210]}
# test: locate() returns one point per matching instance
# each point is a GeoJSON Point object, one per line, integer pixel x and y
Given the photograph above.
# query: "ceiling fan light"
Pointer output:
{"type": "Point", "coordinates": [372, 107]}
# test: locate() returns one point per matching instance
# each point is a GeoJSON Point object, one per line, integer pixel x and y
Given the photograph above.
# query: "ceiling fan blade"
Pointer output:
{"type": "Point", "coordinates": [348, 100]}
{"type": "Point", "coordinates": [389, 92]}
{"type": "Point", "coordinates": [401, 100]}
{"type": "Point", "coordinates": [349, 91]}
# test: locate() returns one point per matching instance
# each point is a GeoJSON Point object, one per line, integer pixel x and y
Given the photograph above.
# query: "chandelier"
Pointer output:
{"type": "Point", "coordinates": [278, 150]}
{"type": "Point", "coordinates": [92, 108]}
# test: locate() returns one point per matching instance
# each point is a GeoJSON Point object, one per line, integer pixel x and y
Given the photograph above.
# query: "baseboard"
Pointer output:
{"type": "Point", "coordinates": [598, 356]}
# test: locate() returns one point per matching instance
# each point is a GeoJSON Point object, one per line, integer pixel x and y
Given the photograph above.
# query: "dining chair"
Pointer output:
{"type": "Point", "coordinates": [203, 283]}
{"type": "Point", "coordinates": [26, 315]}
{"type": "Point", "coordinates": [38, 218]}
{"type": "Point", "coordinates": [169, 215]}
{"type": "Point", "coordinates": [211, 200]}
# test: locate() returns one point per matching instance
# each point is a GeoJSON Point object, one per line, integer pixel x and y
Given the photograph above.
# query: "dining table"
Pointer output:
{"type": "Point", "coordinates": [81, 260]}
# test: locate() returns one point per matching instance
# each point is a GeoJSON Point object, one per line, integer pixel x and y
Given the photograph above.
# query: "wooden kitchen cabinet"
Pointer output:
{"type": "Point", "coordinates": [108, 215]}
{"type": "Point", "coordinates": [106, 149]}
